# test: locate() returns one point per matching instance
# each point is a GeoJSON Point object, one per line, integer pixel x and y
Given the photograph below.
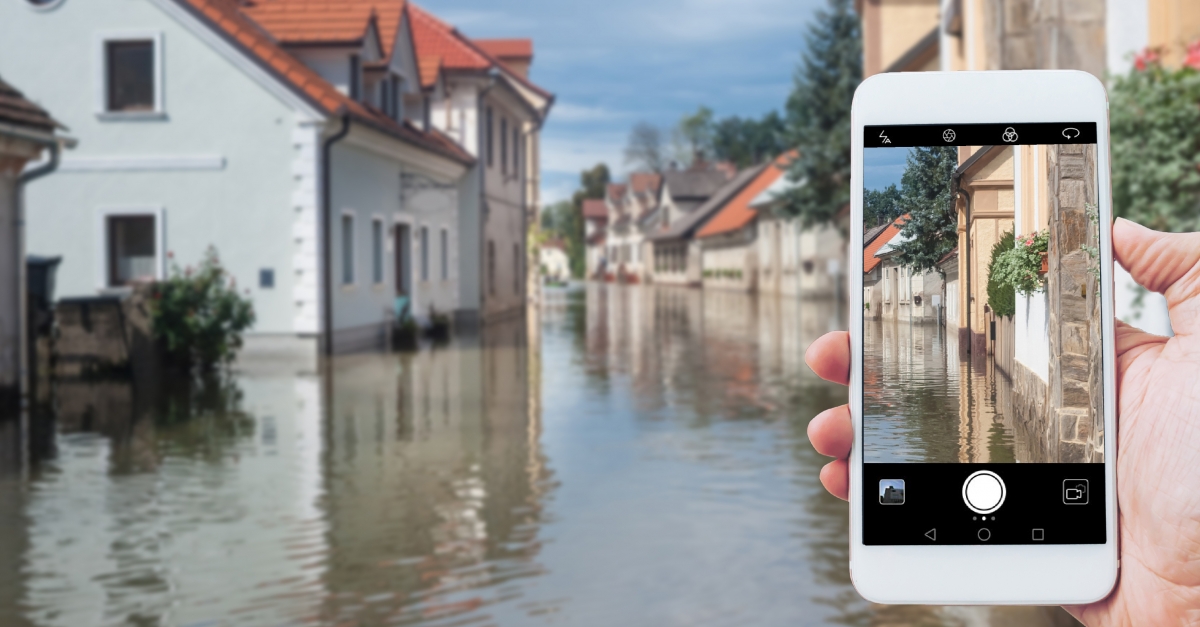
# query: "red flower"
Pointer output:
{"type": "Point", "coordinates": [1193, 56]}
{"type": "Point", "coordinates": [1146, 58]}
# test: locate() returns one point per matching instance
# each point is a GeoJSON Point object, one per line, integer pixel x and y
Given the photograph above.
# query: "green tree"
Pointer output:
{"type": "Point", "coordinates": [694, 135]}
{"type": "Point", "coordinates": [564, 220]}
{"type": "Point", "coordinates": [1155, 126]}
{"type": "Point", "coordinates": [746, 141]}
{"type": "Point", "coordinates": [931, 230]}
{"type": "Point", "coordinates": [881, 205]}
{"type": "Point", "coordinates": [1002, 297]}
{"type": "Point", "coordinates": [818, 114]}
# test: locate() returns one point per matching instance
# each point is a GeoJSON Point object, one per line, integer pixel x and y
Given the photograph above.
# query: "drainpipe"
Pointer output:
{"type": "Point", "coordinates": [52, 144]}
{"type": "Point", "coordinates": [326, 238]}
{"type": "Point", "coordinates": [481, 168]}
{"type": "Point", "coordinates": [967, 257]}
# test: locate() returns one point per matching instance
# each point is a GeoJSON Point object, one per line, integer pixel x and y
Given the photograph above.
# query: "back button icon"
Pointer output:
{"type": "Point", "coordinates": [931, 534]}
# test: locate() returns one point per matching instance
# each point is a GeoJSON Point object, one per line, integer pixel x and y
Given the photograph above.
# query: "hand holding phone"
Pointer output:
{"type": "Point", "coordinates": [1159, 436]}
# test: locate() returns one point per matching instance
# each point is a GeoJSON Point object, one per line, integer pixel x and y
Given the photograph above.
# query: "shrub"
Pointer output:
{"type": "Point", "coordinates": [1021, 265]}
{"type": "Point", "coordinates": [1001, 295]}
{"type": "Point", "coordinates": [198, 315]}
{"type": "Point", "coordinates": [1155, 125]}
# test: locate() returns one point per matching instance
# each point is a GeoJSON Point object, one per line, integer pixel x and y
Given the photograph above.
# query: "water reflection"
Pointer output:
{"type": "Point", "coordinates": [624, 456]}
{"type": "Point", "coordinates": [921, 403]}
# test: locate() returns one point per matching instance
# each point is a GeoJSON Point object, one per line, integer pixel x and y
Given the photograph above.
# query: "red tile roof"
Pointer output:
{"type": "Point", "coordinates": [737, 213]}
{"type": "Point", "coordinates": [595, 209]}
{"type": "Point", "coordinates": [324, 21]}
{"type": "Point", "coordinates": [505, 49]}
{"type": "Point", "coordinates": [645, 182]}
{"type": "Point", "coordinates": [436, 39]}
{"type": "Point", "coordinates": [225, 17]}
{"type": "Point", "coordinates": [870, 261]}
{"type": "Point", "coordinates": [616, 192]}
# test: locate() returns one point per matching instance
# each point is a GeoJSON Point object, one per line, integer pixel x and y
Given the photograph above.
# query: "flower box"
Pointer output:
{"type": "Point", "coordinates": [1045, 265]}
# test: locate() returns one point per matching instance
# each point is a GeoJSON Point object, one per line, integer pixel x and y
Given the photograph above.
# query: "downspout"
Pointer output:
{"type": "Point", "coordinates": [481, 167]}
{"type": "Point", "coordinates": [51, 143]}
{"type": "Point", "coordinates": [967, 257]}
{"type": "Point", "coordinates": [326, 238]}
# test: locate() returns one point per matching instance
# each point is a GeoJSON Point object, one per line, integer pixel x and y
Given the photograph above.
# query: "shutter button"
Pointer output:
{"type": "Point", "coordinates": [984, 492]}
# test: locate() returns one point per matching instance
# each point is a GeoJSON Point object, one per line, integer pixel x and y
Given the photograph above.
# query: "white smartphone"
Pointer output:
{"type": "Point", "coordinates": [983, 373]}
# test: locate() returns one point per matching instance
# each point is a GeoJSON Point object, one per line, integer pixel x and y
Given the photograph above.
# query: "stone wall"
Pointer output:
{"type": "Point", "coordinates": [1073, 391]}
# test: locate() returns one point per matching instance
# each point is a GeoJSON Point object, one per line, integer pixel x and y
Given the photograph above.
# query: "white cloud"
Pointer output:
{"type": "Point", "coordinates": [574, 153]}
{"type": "Point", "coordinates": [570, 112]}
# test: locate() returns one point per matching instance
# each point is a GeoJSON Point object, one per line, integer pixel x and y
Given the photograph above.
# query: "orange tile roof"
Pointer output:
{"type": "Point", "coordinates": [227, 19]}
{"type": "Point", "coordinates": [594, 209]}
{"type": "Point", "coordinates": [436, 39]}
{"type": "Point", "coordinates": [870, 261]}
{"type": "Point", "coordinates": [737, 213]}
{"type": "Point", "coordinates": [505, 49]}
{"type": "Point", "coordinates": [324, 21]}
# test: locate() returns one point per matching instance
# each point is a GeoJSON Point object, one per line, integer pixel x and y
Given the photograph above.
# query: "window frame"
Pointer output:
{"type": "Point", "coordinates": [516, 150]}
{"type": "Point", "coordinates": [424, 237]}
{"type": "Point", "coordinates": [355, 84]}
{"type": "Point", "coordinates": [488, 137]}
{"type": "Point", "coordinates": [378, 251]}
{"type": "Point", "coordinates": [100, 74]}
{"type": "Point", "coordinates": [445, 236]}
{"type": "Point", "coordinates": [503, 146]}
{"type": "Point", "coordinates": [349, 256]}
{"type": "Point", "coordinates": [102, 217]}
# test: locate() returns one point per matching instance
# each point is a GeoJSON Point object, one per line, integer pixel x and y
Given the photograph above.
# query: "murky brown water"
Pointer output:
{"type": "Point", "coordinates": [921, 403]}
{"type": "Point", "coordinates": [643, 462]}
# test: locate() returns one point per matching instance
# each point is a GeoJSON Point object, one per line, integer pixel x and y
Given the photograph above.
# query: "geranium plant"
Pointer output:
{"type": "Point", "coordinates": [198, 315]}
{"type": "Point", "coordinates": [1021, 265]}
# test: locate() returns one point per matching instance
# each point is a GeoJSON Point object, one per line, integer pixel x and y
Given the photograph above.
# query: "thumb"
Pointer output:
{"type": "Point", "coordinates": [1166, 263]}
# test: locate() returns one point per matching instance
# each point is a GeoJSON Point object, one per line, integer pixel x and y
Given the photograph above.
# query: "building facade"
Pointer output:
{"type": "Point", "coordinates": [315, 154]}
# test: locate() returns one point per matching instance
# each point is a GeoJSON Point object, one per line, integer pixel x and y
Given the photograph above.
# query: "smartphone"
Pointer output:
{"type": "Point", "coordinates": [982, 374]}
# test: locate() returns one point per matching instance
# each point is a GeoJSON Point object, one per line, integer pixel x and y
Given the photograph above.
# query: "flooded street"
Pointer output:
{"type": "Point", "coordinates": [630, 456]}
{"type": "Point", "coordinates": [923, 404]}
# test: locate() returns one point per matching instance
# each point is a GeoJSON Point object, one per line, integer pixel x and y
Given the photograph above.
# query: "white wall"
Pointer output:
{"type": "Point", "coordinates": [1127, 31]}
{"type": "Point", "coordinates": [1032, 342]}
{"type": "Point", "coordinates": [219, 162]}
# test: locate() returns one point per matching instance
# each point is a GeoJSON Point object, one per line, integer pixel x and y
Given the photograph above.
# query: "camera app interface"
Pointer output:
{"type": "Point", "coordinates": [983, 411]}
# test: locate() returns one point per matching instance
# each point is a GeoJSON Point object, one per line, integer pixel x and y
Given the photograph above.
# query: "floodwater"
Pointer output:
{"type": "Point", "coordinates": [627, 456]}
{"type": "Point", "coordinates": [921, 403]}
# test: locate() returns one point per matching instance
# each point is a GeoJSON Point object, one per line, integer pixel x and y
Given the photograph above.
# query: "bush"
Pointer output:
{"type": "Point", "coordinates": [1001, 295]}
{"type": "Point", "coordinates": [1020, 266]}
{"type": "Point", "coordinates": [1155, 125]}
{"type": "Point", "coordinates": [198, 315]}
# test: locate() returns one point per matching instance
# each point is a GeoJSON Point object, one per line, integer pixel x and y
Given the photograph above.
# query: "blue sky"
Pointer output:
{"type": "Point", "coordinates": [612, 64]}
{"type": "Point", "coordinates": [883, 166]}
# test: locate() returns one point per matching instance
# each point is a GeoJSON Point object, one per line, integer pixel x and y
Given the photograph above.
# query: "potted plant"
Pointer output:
{"type": "Point", "coordinates": [1024, 265]}
{"type": "Point", "coordinates": [439, 326]}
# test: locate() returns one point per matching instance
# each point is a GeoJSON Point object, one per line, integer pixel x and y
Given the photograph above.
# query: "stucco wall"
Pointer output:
{"type": "Point", "coordinates": [213, 110]}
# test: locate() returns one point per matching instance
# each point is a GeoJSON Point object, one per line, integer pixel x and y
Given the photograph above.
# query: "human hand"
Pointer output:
{"type": "Point", "coordinates": [1158, 464]}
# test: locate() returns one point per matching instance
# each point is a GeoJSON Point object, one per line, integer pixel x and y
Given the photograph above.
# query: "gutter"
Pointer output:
{"type": "Point", "coordinates": [326, 238]}
{"type": "Point", "coordinates": [54, 145]}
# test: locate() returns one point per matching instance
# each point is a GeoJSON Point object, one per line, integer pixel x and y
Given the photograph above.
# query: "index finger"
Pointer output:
{"type": "Point", "coordinates": [829, 357]}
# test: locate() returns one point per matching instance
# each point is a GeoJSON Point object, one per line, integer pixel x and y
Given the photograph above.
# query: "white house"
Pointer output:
{"type": "Point", "coordinates": [595, 231]}
{"type": "Point", "coordinates": [326, 159]}
{"type": "Point", "coordinates": [555, 264]}
{"type": "Point", "coordinates": [629, 206]}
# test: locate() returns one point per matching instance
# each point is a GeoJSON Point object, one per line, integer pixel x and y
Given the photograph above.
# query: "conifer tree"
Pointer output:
{"type": "Point", "coordinates": [818, 114]}
{"type": "Point", "coordinates": [931, 230]}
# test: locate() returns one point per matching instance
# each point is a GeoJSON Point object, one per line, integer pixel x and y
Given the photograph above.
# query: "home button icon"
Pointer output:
{"type": "Point", "coordinates": [984, 534]}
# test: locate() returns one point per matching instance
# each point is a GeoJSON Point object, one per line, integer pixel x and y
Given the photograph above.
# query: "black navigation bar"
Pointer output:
{"type": "Point", "coordinates": [907, 135]}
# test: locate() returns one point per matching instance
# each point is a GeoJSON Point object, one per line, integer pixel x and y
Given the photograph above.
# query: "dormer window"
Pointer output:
{"type": "Point", "coordinates": [355, 85]}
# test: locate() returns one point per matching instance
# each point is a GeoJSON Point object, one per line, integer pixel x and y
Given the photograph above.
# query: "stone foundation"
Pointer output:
{"type": "Point", "coordinates": [1036, 436]}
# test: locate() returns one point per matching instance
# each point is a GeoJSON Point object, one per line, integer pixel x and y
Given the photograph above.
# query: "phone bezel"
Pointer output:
{"type": "Point", "coordinates": [1008, 574]}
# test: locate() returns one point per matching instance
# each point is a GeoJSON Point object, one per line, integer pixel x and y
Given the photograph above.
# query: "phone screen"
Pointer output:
{"type": "Point", "coordinates": [982, 344]}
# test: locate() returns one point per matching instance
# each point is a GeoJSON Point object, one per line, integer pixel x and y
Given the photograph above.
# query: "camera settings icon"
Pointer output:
{"type": "Point", "coordinates": [1010, 135]}
{"type": "Point", "coordinates": [948, 135]}
{"type": "Point", "coordinates": [1075, 492]}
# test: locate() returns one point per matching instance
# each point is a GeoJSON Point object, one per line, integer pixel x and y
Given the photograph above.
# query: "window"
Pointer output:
{"type": "Point", "coordinates": [377, 251]}
{"type": "Point", "coordinates": [355, 77]}
{"type": "Point", "coordinates": [503, 145]}
{"type": "Point", "coordinates": [445, 255]}
{"type": "Point", "coordinates": [516, 269]}
{"type": "Point", "coordinates": [516, 150]}
{"type": "Point", "coordinates": [488, 133]}
{"type": "Point", "coordinates": [424, 253]}
{"type": "Point", "coordinates": [347, 249]}
{"type": "Point", "coordinates": [132, 249]}
{"type": "Point", "coordinates": [385, 97]}
{"type": "Point", "coordinates": [266, 278]}
{"type": "Point", "coordinates": [397, 111]}
{"type": "Point", "coordinates": [491, 267]}
{"type": "Point", "coordinates": [129, 76]}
